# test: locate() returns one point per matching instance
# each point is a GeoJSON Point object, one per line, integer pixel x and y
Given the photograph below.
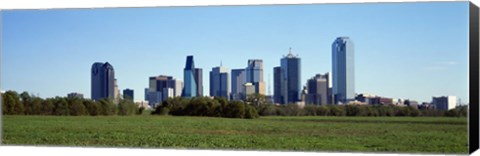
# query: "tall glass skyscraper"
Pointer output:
{"type": "Point", "coordinates": [103, 77]}
{"type": "Point", "coordinates": [343, 70]}
{"type": "Point", "coordinates": [238, 80]}
{"type": "Point", "coordinates": [189, 78]}
{"type": "Point", "coordinates": [277, 85]}
{"type": "Point", "coordinates": [254, 75]}
{"type": "Point", "coordinates": [220, 82]}
{"type": "Point", "coordinates": [288, 83]}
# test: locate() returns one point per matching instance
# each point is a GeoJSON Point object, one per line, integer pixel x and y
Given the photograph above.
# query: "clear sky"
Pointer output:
{"type": "Point", "coordinates": [402, 50]}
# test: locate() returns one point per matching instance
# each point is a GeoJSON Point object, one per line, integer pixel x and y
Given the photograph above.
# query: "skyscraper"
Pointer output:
{"type": "Point", "coordinates": [254, 75]}
{"type": "Point", "coordinates": [318, 90]}
{"type": "Point", "coordinates": [161, 88]}
{"type": "Point", "coordinates": [128, 94]}
{"type": "Point", "coordinates": [103, 84]}
{"type": "Point", "coordinates": [116, 92]}
{"type": "Point", "coordinates": [238, 80]}
{"type": "Point", "coordinates": [199, 81]}
{"type": "Point", "coordinates": [178, 88]}
{"type": "Point", "coordinates": [343, 70]}
{"type": "Point", "coordinates": [277, 85]}
{"type": "Point", "coordinates": [287, 87]}
{"type": "Point", "coordinates": [192, 78]}
{"type": "Point", "coordinates": [220, 82]}
{"type": "Point", "coordinates": [190, 86]}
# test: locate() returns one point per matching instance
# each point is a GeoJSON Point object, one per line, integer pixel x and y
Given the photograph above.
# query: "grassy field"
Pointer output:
{"type": "Point", "coordinates": [384, 134]}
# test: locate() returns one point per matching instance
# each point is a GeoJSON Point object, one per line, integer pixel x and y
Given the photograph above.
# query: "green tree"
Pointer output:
{"type": "Point", "coordinates": [61, 106]}
{"type": "Point", "coordinates": [256, 100]}
{"type": "Point", "coordinates": [92, 107]}
{"type": "Point", "coordinates": [234, 109]}
{"type": "Point", "coordinates": [76, 107]}
{"type": "Point", "coordinates": [26, 101]}
{"type": "Point", "coordinates": [126, 107]}
{"type": "Point", "coordinates": [36, 106]}
{"type": "Point", "coordinates": [47, 106]}
{"type": "Point", "coordinates": [12, 103]}
{"type": "Point", "coordinates": [323, 110]}
{"type": "Point", "coordinates": [107, 107]}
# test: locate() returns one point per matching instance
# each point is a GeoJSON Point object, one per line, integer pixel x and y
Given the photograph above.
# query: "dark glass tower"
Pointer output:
{"type": "Point", "coordinates": [103, 77]}
{"type": "Point", "coordinates": [343, 70]}
{"type": "Point", "coordinates": [287, 80]}
{"type": "Point", "coordinates": [277, 85]}
{"type": "Point", "coordinates": [290, 78]}
{"type": "Point", "coordinates": [128, 94]}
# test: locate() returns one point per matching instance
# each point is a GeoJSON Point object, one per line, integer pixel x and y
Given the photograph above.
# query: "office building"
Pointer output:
{"type": "Point", "coordinates": [318, 90]}
{"type": "Point", "coordinates": [238, 80]}
{"type": "Point", "coordinates": [277, 85]}
{"type": "Point", "coordinates": [178, 88]}
{"type": "Point", "coordinates": [288, 87]}
{"type": "Point", "coordinates": [146, 94]}
{"type": "Point", "coordinates": [102, 82]}
{"type": "Point", "coordinates": [116, 92]}
{"type": "Point", "coordinates": [444, 102]}
{"type": "Point", "coordinates": [128, 94]}
{"type": "Point", "coordinates": [160, 89]}
{"type": "Point", "coordinates": [199, 81]}
{"type": "Point", "coordinates": [343, 70]}
{"type": "Point", "coordinates": [193, 81]}
{"type": "Point", "coordinates": [220, 82]}
{"type": "Point", "coordinates": [75, 94]}
{"type": "Point", "coordinates": [254, 75]}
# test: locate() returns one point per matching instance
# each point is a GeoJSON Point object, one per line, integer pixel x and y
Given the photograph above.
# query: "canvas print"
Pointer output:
{"type": "Point", "coordinates": [367, 77]}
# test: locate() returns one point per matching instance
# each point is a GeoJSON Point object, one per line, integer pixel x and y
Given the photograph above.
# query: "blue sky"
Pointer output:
{"type": "Point", "coordinates": [402, 50]}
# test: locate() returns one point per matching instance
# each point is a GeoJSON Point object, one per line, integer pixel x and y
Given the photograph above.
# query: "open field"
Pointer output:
{"type": "Point", "coordinates": [385, 134]}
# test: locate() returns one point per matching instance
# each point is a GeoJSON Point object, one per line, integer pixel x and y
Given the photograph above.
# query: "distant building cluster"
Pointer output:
{"type": "Point", "coordinates": [337, 87]}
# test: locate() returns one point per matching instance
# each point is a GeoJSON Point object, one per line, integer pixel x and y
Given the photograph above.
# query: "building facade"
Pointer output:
{"type": "Point", "coordinates": [254, 75]}
{"type": "Point", "coordinates": [318, 90]}
{"type": "Point", "coordinates": [193, 79]}
{"type": "Point", "coordinates": [277, 85]}
{"type": "Point", "coordinates": [343, 70]}
{"type": "Point", "coordinates": [288, 87]}
{"type": "Point", "coordinates": [220, 82]}
{"type": "Point", "coordinates": [190, 85]}
{"type": "Point", "coordinates": [128, 94]}
{"type": "Point", "coordinates": [444, 102]}
{"type": "Point", "coordinates": [160, 89]}
{"type": "Point", "coordinates": [75, 95]}
{"type": "Point", "coordinates": [102, 82]}
{"type": "Point", "coordinates": [238, 80]}
{"type": "Point", "coordinates": [199, 81]}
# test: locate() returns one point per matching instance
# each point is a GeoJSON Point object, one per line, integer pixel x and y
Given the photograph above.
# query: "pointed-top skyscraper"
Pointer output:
{"type": "Point", "coordinates": [192, 78]}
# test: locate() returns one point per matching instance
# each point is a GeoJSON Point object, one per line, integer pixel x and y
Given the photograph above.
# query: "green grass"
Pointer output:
{"type": "Point", "coordinates": [381, 134]}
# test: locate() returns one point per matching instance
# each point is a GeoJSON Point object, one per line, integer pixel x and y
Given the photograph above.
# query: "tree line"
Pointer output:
{"type": "Point", "coordinates": [205, 106]}
{"type": "Point", "coordinates": [254, 106]}
{"type": "Point", "coordinates": [266, 108]}
{"type": "Point", "coordinates": [25, 104]}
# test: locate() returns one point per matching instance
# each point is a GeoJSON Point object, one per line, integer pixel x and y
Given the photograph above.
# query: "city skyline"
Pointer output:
{"type": "Point", "coordinates": [421, 58]}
